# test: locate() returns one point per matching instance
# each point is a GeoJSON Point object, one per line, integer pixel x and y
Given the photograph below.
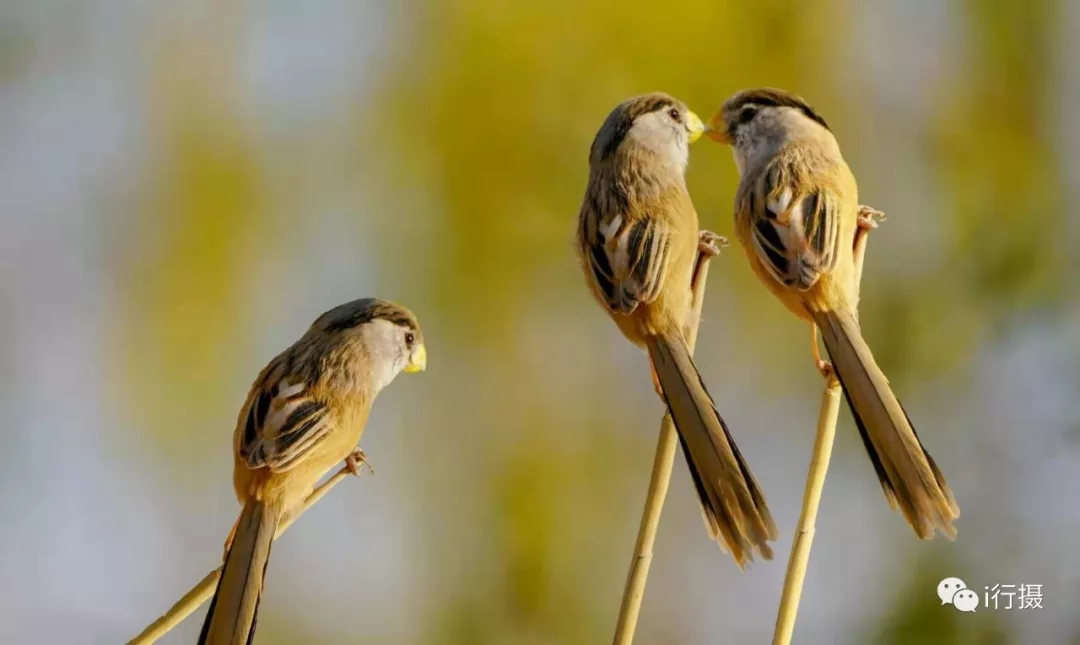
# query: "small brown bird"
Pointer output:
{"type": "Point", "coordinates": [638, 240]}
{"type": "Point", "coordinates": [305, 413]}
{"type": "Point", "coordinates": [796, 216]}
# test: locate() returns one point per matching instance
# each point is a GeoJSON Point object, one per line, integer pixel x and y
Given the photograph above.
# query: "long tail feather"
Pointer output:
{"type": "Point", "coordinates": [908, 474]}
{"type": "Point", "coordinates": [732, 503]}
{"type": "Point", "coordinates": [234, 609]}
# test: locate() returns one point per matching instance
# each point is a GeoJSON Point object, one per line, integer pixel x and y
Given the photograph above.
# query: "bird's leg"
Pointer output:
{"type": "Point", "coordinates": [232, 534]}
{"type": "Point", "coordinates": [867, 220]}
{"type": "Point", "coordinates": [823, 366]}
{"type": "Point", "coordinates": [656, 382]}
{"type": "Point", "coordinates": [356, 460]}
{"type": "Point", "coordinates": [709, 245]}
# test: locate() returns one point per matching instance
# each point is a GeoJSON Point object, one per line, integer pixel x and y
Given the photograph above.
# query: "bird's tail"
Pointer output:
{"type": "Point", "coordinates": [733, 505]}
{"type": "Point", "coordinates": [234, 608]}
{"type": "Point", "coordinates": [910, 478]}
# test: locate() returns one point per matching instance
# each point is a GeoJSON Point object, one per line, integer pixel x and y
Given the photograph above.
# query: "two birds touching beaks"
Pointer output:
{"type": "Point", "coordinates": [796, 217]}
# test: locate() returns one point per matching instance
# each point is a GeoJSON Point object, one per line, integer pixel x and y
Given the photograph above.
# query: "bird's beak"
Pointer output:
{"type": "Point", "coordinates": [418, 360]}
{"type": "Point", "coordinates": [694, 126]}
{"type": "Point", "coordinates": [717, 129]}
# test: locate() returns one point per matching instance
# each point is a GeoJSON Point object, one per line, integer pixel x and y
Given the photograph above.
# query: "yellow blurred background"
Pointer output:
{"type": "Point", "coordinates": [187, 185]}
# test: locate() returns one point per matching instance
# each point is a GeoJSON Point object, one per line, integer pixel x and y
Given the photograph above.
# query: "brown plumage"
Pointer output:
{"type": "Point", "coordinates": [305, 413]}
{"type": "Point", "coordinates": [638, 240]}
{"type": "Point", "coordinates": [796, 215]}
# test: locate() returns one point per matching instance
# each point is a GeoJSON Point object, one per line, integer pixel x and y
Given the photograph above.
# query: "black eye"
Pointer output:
{"type": "Point", "coordinates": [673, 113]}
{"type": "Point", "coordinates": [410, 338]}
{"type": "Point", "coordinates": [747, 113]}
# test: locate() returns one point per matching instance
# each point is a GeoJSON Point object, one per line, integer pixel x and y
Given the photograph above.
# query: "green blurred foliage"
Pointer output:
{"type": "Point", "coordinates": [203, 190]}
{"type": "Point", "coordinates": [1000, 178]}
{"type": "Point", "coordinates": [1002, 255]}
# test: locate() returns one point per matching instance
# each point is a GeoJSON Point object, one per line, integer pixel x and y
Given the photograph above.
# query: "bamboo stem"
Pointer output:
{"type": "Point", "coordinates": [815, 484]}
{"type": "Point", "coordinates": [659, 480]}
{"type": "Point", "coordinates": [202, 592]}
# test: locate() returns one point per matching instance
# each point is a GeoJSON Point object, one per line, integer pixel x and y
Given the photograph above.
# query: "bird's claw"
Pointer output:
{"type": "Point", "coordinates": [709, 243]}
{"type": "Point", "coordinates": [356, 461]}
{"type": "Point", "coordinates": [825, 367]}
{"type": "Point", "coordinates": [869, 218]}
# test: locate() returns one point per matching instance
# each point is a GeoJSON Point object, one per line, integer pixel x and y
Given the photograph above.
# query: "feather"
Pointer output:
{"type": "Point", "coordinates": [732, 502]}
{"type": "Point", "coordinates": [626, 259]}
{"type": "Point", "coordinates": [234, 608]}
{"type": "Point", "coordinates": [283, 427]}
{"type": "Point", "coordinates": [796, 235]}
{"type": "Point", "coordinates": [908, 475]}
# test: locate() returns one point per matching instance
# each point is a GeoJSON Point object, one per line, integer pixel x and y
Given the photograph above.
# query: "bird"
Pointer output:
{"type": "Point", "coordinates": [637, 242]}
{"type": "Point", "coordinates": [304, 413]}
{"type": "Point", "coordinates": [797, 215]}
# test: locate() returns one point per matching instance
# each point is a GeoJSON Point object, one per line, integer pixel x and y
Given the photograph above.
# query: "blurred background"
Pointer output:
{"type": "Point", "coordinates": [187, 185]}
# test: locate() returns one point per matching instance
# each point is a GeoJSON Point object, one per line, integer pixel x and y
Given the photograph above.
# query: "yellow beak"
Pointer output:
{"type": "Point", "coordinates": [418, 361]}
{"type": "Point", "coordinates": [717, 129]}
{"type": "Point", "coordinates": [694, 126]}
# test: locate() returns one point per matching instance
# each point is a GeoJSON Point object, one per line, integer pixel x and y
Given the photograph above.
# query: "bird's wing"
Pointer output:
{"type": "Point", "coordinates": [282, 421]}
{"type": "Point", "coordinates": [795, 232]}
{"type": "Point", "coordinates": [626, 256]}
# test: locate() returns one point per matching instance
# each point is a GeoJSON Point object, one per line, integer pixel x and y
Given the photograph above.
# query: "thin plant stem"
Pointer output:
{"type": "Point", "coordinates": [804, 535]}
{"type": "Point", "coordinates": [202, 592]}
{"type": "Point", "coordinates": [815, 484]}
{"type": "Point", "coordinates": [659, 480]}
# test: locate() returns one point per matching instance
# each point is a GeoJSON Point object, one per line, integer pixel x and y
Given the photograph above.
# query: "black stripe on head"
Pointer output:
{"type": "Point", "coordinates": [618, 123]}
{"type": "Point", "coordinates": [358, 312]}
{"type": "Point", "coordinates": [772, 97]}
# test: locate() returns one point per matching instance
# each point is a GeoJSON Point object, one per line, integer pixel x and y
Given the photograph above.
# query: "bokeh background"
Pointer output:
{"type": "Point", "coordinates": [185, 186]}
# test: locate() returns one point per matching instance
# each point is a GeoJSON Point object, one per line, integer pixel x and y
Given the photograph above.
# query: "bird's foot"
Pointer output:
{"type": "Point", "coordinates": [822, 365]}
{"type": "Point", "coordinates": [869, 218]}
{"type": "Point", "coordinates": [825, 367]}
{"type": "Point", "coordinates": [356, 461]}
{"type": "Point", "coordinates": [709, 243]}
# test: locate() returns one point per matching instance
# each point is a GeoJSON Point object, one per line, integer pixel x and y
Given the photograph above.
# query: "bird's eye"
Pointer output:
{"type": "Point", "coordinates": [747, 113]}
{"type": "Point", "coordinates": [410, 338]}
{"type": "Point", "coordinates": [674, 114]}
